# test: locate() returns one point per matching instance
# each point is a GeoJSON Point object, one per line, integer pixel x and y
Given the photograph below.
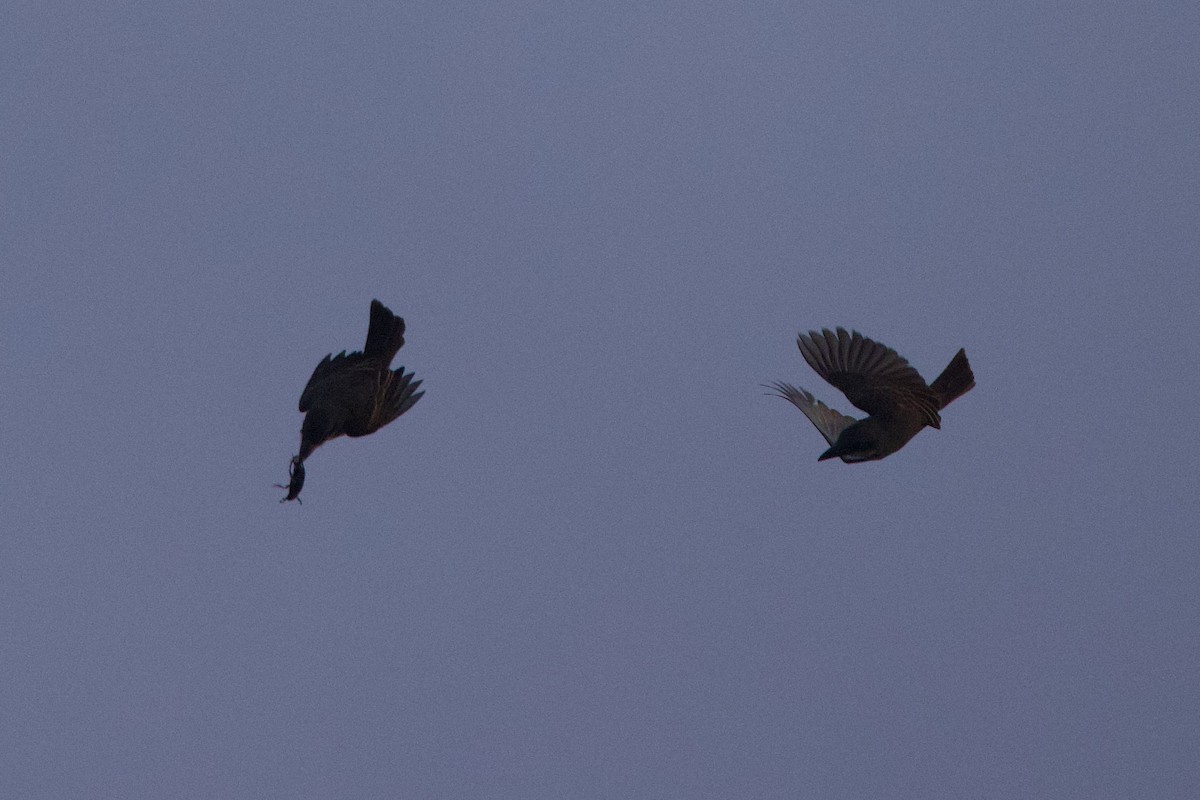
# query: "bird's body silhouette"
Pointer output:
{"type": "Point", "coordinates": [354, 394]}
{"type": "Point", "coordinates": [878, 380]}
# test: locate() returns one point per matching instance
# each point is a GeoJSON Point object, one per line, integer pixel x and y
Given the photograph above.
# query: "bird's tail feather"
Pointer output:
{"type": "Point", "coordinates": [385, 334]}
{"type": "Point", "coordinates": [955, 381]}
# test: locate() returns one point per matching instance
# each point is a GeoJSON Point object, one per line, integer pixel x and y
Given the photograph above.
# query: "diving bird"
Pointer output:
{"type": "Point", "coordinates": [878, 380]}
{"type": "Point", "coordinates": [354, 394]}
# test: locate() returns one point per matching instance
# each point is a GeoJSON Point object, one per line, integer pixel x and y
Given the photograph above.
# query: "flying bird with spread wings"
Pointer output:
{"type": "Point", "coordinates": [354, 394]}
{"type": "Point", "coordinates": [878, 380]}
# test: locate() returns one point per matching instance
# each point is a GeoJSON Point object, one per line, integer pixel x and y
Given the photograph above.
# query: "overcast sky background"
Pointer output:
{"type": "Point", "coordinates": [596, 561]}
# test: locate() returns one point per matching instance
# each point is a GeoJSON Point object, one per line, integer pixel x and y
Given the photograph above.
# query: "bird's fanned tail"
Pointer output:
{"type": "Point", "coordinates": [955, 381]}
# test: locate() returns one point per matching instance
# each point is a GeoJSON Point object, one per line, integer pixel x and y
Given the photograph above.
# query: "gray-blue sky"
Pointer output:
{"type": "Point", "coordinates": [595, 560]}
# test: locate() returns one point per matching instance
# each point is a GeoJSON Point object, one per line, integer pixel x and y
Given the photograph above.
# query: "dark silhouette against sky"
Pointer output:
{"type": "Point", "coordinates": [595, 561]}
{"type": "Point", "coordinates": [355, 394]}
{"type": "Point", "coordinates": [878, 380]}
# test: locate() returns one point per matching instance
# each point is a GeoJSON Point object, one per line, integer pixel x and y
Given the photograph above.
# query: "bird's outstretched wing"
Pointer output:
{"type": "Point", "coordinates": [873, 377]}
{"type": "Point", "coordinates": [385, 336]}
{"type": "Point", "coordinates": [396, 394]}
{"type": "Point", "coordinates": [829, 422]}
{"type": "Point", "coordinates": [330, 365]}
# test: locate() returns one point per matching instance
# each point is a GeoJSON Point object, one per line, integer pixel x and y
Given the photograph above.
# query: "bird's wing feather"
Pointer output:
{"type": "Point", "coordinates": [385, 336]}
{"type": "Point", "coordinates": [829, 422]}
{"type": "Point", "coordinates": [873, 377]}
{"type": "Point", "coordinates": [396, 394]}
{"type": "Point", "coordinates": [330, 365]}
{"type": "Point", "coordinates": [320, 372]}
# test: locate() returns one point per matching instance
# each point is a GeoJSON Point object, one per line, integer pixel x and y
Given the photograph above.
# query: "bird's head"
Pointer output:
{"type": "Point", "coordinates": [318, 427]}
{"type": "Point", "coordinates": [859, 442]}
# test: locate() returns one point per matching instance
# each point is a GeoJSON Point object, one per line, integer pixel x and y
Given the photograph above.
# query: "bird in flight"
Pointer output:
{"type": "Point", "coordinates": [878, 380]}
{"type": "Point", "coordinates": [354, 394]}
